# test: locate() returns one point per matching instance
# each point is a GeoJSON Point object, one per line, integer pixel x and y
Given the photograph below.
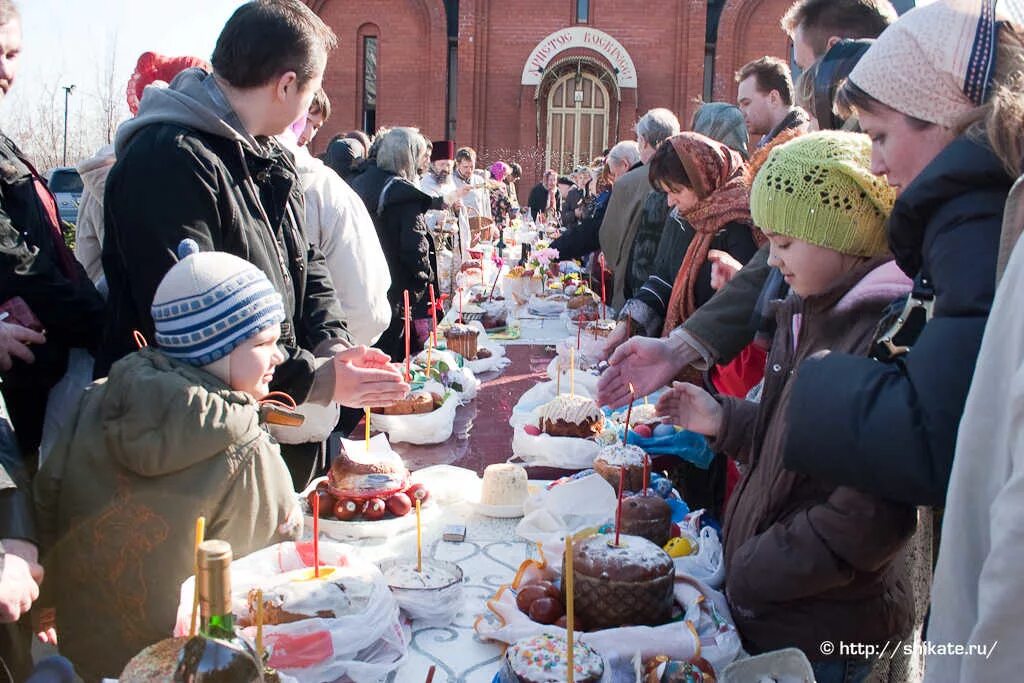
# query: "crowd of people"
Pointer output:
{"type": "Point", "coordinates": [822, 274]}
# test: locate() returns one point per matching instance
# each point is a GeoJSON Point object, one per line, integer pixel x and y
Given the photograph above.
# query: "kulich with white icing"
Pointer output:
{"type": "Point", "coordinates": [542, 659]}
{"type": "Point", "coordinates": [613, 458]}
{"type": "Point", "coordinates": [628, 585]}
{"type": "Point", "coordinates": [504, 484]}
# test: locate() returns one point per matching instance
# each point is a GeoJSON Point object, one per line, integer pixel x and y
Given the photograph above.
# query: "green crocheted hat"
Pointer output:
{"type": "Point", "coordinates": [819, 188]}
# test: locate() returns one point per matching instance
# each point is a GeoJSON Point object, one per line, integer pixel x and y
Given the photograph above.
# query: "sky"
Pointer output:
{"type": "Point", "coordinates": [65, 42]}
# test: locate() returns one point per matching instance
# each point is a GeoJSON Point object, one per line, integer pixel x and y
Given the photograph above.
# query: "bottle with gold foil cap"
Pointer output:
{"type": "Point", "coordinates": [217, 653]}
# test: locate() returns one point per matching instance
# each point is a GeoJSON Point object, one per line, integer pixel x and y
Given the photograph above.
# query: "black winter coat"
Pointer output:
{"type": "Point", "coordinates": [583, 239]}
{"type": "Point", "coordinates": [401, 227]}
{"type": "Point", "coordinates": [173, 182]}
{"type": "Point", "coordinates": [64, 300]}
{"type": "Point", "coordinates": [734, 239]}
{"type": "Point", "coordinates": [890, 428]}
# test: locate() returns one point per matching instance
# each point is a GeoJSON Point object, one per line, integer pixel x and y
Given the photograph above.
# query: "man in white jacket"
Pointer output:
{"type": "Point", "coordinates": [338, 223]}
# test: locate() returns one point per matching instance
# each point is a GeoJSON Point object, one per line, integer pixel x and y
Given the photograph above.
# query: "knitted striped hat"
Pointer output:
{"type": "Point", "coordinates": [819, 188]}
{"type": "Point", "coordinates": [208, 303]}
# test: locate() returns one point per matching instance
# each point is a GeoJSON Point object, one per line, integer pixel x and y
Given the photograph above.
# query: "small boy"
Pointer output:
{"type": "Point", "coordinates": [173, 433]}
{"type": "Point", "coordinates": [808, 563]}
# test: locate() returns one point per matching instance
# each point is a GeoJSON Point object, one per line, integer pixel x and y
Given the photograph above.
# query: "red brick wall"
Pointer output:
{"type": "Point", "coordinates": [412, 69]}
{"type": "Point", "coordinates": [495, 113]}
{"type": "Point", "coordinates": [748, 29]}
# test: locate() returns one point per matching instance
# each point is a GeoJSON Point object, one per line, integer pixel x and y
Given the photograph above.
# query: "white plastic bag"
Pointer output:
{"type": "Point", "coordinates": [573, 505]}
{"type": "Point", "coordinates": [564, 452]}
{"type": "Point", "coordinates": [64, 398]}
{"type": "Point", "coordinates": [538, 395]}
{"type": "Point", "coordinates": [706, 564]}
{"type": "Point", "coordinates": [319, 421]}
{"type": "Point", "coordinates": [363, 646]}
{"type": "Point", "coordinates": [425, 428]}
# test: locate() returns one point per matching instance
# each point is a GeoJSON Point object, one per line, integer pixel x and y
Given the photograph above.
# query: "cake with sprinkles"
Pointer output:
{"type": "Point", "coordinates": [543, 659]}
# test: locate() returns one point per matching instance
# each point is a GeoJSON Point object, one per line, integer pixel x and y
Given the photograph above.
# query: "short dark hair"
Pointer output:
{"type": "Point", "coordinates": [8, 11]}
{"type": "Point", "coordinates": [822, 19]}
{"type": "Point", "coordinates": [465, 154]}
{"type": "Point", "coordinates": [851, 97]}
{"type": "Point", "coordinates": [517, 170]}
{"type": "Point", "coordinates": [264, 39]}
{"type": "Point", "coordinates": [770, 74]}
{"type": "Point", "coordinates": [666, 169]}
{"type": "Point", "coordinates": [321, 104]}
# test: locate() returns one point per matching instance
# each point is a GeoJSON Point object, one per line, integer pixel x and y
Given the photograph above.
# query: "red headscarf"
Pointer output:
{"type": "Point", "coordinates": [153, 67]}
{"type": "Point", "coordinates": [716, 174]}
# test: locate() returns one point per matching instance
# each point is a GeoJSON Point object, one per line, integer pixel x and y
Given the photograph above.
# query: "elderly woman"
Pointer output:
{"type": "Point", "coordinates": [398, 209]}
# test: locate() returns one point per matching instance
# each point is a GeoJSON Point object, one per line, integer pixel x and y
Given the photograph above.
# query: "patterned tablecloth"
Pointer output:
{"type": "Point", "coordinates": [489, 557]}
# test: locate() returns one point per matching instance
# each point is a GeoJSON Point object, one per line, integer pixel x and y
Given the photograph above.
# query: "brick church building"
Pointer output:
{"type": "Point", "coordinates": [546, 83]}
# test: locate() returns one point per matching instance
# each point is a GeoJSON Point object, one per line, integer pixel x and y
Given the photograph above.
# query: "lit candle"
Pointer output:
{"type": "Point", "coordinates": [366, 413]}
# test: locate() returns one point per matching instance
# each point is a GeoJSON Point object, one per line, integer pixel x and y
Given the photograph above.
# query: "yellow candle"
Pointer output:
{"type": "Point", "coordinates": [572, 371]}
{"type": "Point", "coordinates": [259, 625]}
{"type": "Point", "coordinates": [200, 533]}
{"type": "Point", "coordinates": [366, 413]}
{"type": "Point", "coordinates": [570, 600]}
{"type": "Point", "coordinates": [429, 349]}
{"type": "Point", "coordinates": [419, 538]}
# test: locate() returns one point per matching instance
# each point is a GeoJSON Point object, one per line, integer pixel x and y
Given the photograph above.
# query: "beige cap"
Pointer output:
{"type": "Point", "coordinates": [934, 63]}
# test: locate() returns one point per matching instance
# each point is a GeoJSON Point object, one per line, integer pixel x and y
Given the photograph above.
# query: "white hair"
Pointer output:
{"type": "Point", "coordinates": [627, 152]}
{"type": "Point", "coordinates": [400, 152]}
{"type": "Point", "coordinates": [656, 126]}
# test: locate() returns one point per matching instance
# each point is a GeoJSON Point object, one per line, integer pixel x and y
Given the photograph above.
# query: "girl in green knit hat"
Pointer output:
{"type": "Point", "coordinates": [809, 564]}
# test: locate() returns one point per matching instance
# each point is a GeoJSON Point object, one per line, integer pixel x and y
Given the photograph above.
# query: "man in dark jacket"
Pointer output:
{"type": "Point", "coordinates": [37, 267]}
{"type": "Point", "coordinates": [199, 161]}
{"type": "Point", "coordinates": [544, 196]}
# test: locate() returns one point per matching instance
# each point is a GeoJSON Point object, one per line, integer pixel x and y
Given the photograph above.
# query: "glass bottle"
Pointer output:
{"type": "Point", "coordinates": [216, 654]}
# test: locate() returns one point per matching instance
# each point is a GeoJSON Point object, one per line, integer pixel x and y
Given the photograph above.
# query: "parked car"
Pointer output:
{"type": "Point", "coordinates": [66, 186]}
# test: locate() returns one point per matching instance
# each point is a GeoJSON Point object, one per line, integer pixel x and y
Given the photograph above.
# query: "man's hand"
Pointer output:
{"type": "Point", "coordinates": [365, 377]}
{"type": "Point", "coordinates": [648, 363]}
{"type": "Point", "coordinates": [613, 340]}
{"type": "Point", "coordinates": [14, 341]}
{"type": "Point", "coordinates": [723, 268]}
{"type": "Point", "coordinates": [691, 408]}
{"type": "Point", "coordinates": [44, 625]}
{"type": "Point", "coordinates": [19, 582]}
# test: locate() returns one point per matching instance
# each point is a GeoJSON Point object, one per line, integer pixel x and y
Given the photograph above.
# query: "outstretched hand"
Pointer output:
{"type": "Point", "coordinates": [647, 363]}
{"type": "Point", "coordinates": [691, 408]}
{"type": "Point", "coordinates": [365, 377]}
{"type": "Point", "coordinates": [723, 268]}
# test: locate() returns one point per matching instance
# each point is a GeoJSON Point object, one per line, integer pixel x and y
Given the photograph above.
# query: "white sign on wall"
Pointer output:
{"type": "Point", "coordinates": [580, 36]}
